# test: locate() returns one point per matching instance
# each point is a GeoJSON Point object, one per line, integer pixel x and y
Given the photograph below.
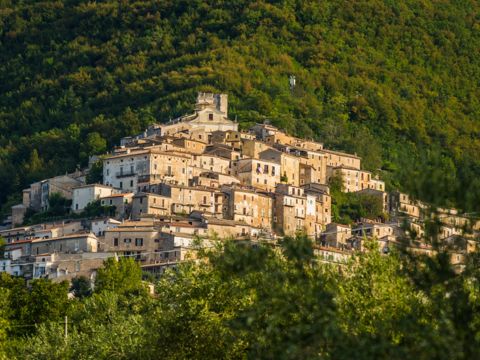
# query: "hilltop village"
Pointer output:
{"type": "Point", "coordinates": [198, 179]}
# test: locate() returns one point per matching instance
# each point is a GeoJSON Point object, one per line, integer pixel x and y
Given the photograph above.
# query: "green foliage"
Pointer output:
{"type": "Point", "coordinates": [61, 210]}
{"type": "Point", "coordinates": [58, 205]}
{"type": "Point", "coordinates": [81, 287]}
{"type": "Point", "coordinates": [350, 207]}
{"type": "Point", "coordinates": [102, 326]}
{"type": "Point", "coordinates": [122, 276]}
{"type": "Point", "coordinates": [4, 321]}
{"type": "Point", "coordinates": [247, 300]}
{"type": "Point", "coordinates": [96, 209]}
{"type": "Point", "coordinates": [41, 302]}
{"type": "Point", "coordinates": [3, 242]}
{"type": "Point", "coordinates": [95, 174]}
{"type": "Point", "coordinates": [395, 83]}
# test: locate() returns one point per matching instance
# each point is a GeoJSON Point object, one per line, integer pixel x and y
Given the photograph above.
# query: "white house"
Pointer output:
{"type": "Point", "coordinates": [84, 195]}
{"type": "Point", "coordinates": [99, 226]}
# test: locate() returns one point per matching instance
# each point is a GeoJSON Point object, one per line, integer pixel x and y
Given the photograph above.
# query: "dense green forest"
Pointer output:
{"type": "Point", "coordinates": [396, 82]}
{"type": "Point", "coordinates": [246, 301]}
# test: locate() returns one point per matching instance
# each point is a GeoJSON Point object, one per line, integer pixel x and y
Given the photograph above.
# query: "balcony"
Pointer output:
{"type": "Point", "coordinates": [122, 174]}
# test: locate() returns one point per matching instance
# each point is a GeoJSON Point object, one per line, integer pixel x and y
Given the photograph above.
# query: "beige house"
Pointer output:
{"type": "Point", "coordinates": [223, 151]}
{"type": "Point", "coordinates": [66, 266]}
{"type": "Point", "coordinates": [86, 242]}
{"type": "Point", "coordinates": [331, 254]}
{"type": "Point", "coordinates": [213, 179]}
{"type": "Point", "coordinates": [376, 184]}
{"type": "Point", "coordinates": [261, 174]}
{"type": "Point", "coordinates": [336, 235]}
{"type": "Point", "coordinates": [353, 179]}
{"type": "Point", "coordinates": [190, 145]}
{"type": "Point", "coordinates": [122, 203]}
{"type": "Point", "coordinates": [291, 209]}
{"type": "Point", "coordinates": [132, 238]}
{"type": "Point", "coordinates": [313, 163]}
{"type": "Point", "coordinates": [339, 159]}
{"type": "Point", "coordinates": [126, 170]}
{"type": "Point", "coordinates": [289, 165]}
{"type": "Point", "coordinates": [373, 229]}
{"type": "Point", "coordinates": [233, 138]}
{"type": "Point", "coordinates": [262, 131]}
{"type": "Point", "coordinates": [152, 204]}
{"type": "Point", "coordinates": [252, 148]}
{"type": "Point", "coordinates": [248, 206]}
{"type": "Point", "coordinates": [400, 202]}
{"type": "Point", "coordinates": [211, 162]}
{"type": "Point", "coordinates": [229, 229]}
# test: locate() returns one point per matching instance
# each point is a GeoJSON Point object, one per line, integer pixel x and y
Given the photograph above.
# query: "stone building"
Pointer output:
{"type": "Point", "coordinates": [80, 242]}
{"type": "Point", "coordinates": [121, 202]}
{"type": "Point", "coordinates": [211, 114]}
{"type": "Point", "coordinates": [261, 174]}
{"type": "Point", "coordinates": [248, 206]}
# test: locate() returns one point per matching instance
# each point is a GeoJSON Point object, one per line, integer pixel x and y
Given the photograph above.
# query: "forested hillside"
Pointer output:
{"type": "Point", "coordinates": [395, 81]}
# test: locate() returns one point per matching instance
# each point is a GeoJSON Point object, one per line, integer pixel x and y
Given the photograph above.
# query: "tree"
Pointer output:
{"type": "Point", "coordinates": [95, 173]}
{"type": "Point", "coordinates": [81, 287]}
{"type": "Point", "coordinates": [95, 144]}
{"type": "Point", "coordinates": [58, 205]}
{"type": "Point", "coordinates": [122, 276]}
{"type": "Point", "coordinates": [2, 247]}
{"type": "Point", "coordinates": [95, 209]}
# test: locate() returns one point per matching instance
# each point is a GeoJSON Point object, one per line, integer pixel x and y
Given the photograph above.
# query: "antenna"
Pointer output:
{"type": "Point", "coordinates": [292, 81]}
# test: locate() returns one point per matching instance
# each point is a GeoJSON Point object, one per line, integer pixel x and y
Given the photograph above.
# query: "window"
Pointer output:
{"type": "Point", "coordinates": [127, 241]}
{"type": "Point", "coordinates": [121, 185]}
{"type": "Point", "coordinates": [115, 242]}
{"type": "Point", "coordinates": [131, 183]}
{"type": "Point", "coordinates": [139, 242]}
{"type": "Point", "coordinates": [108, 172]}
{"type": "Point", "coordinates": [210, 116]}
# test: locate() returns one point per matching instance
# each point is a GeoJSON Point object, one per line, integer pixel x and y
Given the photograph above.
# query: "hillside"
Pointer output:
{"type": "Point", "coordinates": [397, 83]}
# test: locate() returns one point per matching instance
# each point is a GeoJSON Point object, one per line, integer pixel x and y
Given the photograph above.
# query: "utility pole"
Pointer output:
{"type": "Point", "coordinates": [66, 327]}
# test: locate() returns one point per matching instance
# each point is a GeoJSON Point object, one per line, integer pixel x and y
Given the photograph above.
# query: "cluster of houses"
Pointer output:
{"type": "Point", "coordinates": [196, 179]}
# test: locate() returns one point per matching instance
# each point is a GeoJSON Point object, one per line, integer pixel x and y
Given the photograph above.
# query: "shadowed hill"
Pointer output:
{"type": "Point", "coordinates": [395, 82]}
